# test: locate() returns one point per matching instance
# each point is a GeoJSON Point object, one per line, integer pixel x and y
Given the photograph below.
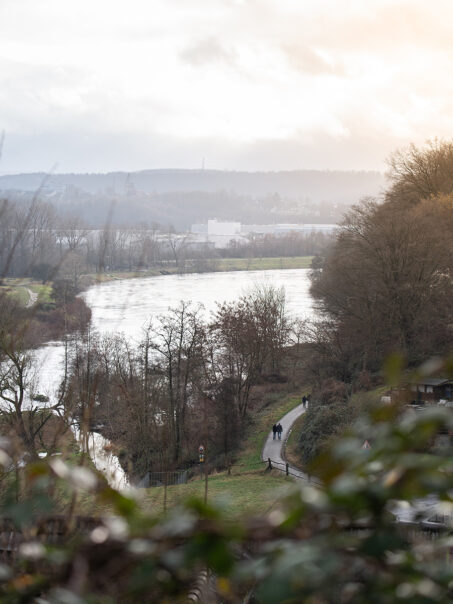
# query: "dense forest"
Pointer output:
{"type": "Point", "coordinates": [384, 288]}
{"type": "Point", "coordinates": [385, 285]}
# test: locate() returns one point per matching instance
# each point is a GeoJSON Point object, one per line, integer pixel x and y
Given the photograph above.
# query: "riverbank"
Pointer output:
{"type": "Point", "coordinates": [263, 264]}
{"type": "Point", "coordinates": [218, 265]}
{"type": "Point", "coordinates": [43, 312]}
{"type": "Point", "coordinates": [21, 289]}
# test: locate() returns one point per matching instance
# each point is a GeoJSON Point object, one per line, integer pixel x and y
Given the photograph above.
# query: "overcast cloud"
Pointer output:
{"type": "Point", "coordinates": [98, 85]}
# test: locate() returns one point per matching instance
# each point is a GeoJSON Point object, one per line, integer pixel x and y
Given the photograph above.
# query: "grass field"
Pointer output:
{"type": "Point", "coordinates": [262, 264]}
{"type": "Point", "coordinates": [43, 291]}
{"type": "Point", "coordinates": [219, 265]}
{"type": "Point", "coordinates": [250, 488]}
{"type": "Point", "coordinates": [17, 288]}
{"type": "Point", "coordinates": [20, 294]}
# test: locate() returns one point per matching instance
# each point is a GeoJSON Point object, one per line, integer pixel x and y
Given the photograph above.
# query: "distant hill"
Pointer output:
{"type": "Point", "coordinates": [183, 197]}
{"type": "Point", "coordinates": [334, 186]}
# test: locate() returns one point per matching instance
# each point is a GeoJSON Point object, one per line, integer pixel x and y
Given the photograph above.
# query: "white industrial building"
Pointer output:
{"type": "Point", "coordinates": [221, 234]}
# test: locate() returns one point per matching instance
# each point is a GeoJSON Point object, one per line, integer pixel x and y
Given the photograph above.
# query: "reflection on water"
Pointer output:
{"type": "Point", "coordinates": [49, 361]}
{"type": "Point", "coordinates": [126, 306]}
{"type": "Point", "coordinates": [104, 460]}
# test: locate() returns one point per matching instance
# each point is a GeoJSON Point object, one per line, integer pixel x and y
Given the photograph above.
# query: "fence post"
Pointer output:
{"type": "Point", "coordinates": [206, 485]}
{"type": "Point", "coordinates": [287, 468]}
{"type": "Point", "coordinates": [270, 463]}
{"type": "Point", "coordinates": [165, 491]}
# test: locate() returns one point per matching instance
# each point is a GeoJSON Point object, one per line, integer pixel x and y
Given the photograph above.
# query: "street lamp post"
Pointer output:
{"type": "Point", "coordinates": [201, 459]}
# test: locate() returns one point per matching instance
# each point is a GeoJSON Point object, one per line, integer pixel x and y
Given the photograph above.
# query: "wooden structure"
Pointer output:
{"type": "Point", "coordinates": [431, 390]}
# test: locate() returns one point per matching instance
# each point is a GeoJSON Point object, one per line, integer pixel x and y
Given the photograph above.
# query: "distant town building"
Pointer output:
{"type": "Point", "coordinates": [223, 233]}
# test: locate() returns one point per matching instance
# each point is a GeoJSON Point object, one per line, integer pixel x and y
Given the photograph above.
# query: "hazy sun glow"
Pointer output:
{"type": "Point", "coordinates": [98, 85]}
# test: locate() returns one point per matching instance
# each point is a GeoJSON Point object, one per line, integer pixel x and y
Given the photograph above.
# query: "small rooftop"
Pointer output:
{"type": "Point", "coordinates": [432, 382]}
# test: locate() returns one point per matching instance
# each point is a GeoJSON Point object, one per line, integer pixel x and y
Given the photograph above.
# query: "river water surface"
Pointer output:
{"type": "Point", "coordinates": [126, 306]}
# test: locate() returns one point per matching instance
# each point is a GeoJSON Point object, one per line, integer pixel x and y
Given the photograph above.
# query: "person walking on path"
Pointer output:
{"type": "Point", "coordinates": [274, 430]}
{"type": "Point", "coordinates": [279, 431]}
{"type": "Point", "coordinates": [304, 401]}
{"type": "Point", "coordinates": [273, 448]}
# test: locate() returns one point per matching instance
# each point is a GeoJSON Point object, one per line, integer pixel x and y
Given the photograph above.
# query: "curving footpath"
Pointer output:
{"type": "Point", "coordinates": [273, 449]}
{"type": "Point", "coordinates": [32, 299]}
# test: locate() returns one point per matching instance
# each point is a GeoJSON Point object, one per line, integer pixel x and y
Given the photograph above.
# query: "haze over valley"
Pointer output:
{"type": "Point", "coordinates": [184, 197]}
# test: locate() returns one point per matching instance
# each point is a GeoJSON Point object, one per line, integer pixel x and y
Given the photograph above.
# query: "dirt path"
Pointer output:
{"type": "Point", "coordinates": [32, 298]}
{"type": "Point", "coordinates": [273, 449]}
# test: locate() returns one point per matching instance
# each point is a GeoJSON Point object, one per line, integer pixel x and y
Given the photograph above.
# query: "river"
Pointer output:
{"type": "Point", "coordinates": [126, 306]}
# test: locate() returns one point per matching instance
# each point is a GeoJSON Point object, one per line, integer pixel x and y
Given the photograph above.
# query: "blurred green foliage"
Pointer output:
{"type": "Point", "coordinates": [336, 544]}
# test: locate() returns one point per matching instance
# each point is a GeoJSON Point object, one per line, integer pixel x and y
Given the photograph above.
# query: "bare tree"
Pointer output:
{"type": "Point", "coordinates": [25, 418]}
{"type": "Point", "coordinates": [250, 336]}
{"type": "Point", "coordinates": [421, 172]}
{"type": "Point", "coordinates": [72, 233]}
{"type": "Point", "coordinates": [177, 245]}
{"type": "Point", "coordinates": [178, 343]}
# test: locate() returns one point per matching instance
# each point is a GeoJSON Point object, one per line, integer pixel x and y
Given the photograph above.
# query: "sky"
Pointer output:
{"type": "Point", "coordinates": [101, 85]}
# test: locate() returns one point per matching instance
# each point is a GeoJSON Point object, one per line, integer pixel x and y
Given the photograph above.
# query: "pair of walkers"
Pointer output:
{"type": "Point", "coordinates": [277, 430]}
